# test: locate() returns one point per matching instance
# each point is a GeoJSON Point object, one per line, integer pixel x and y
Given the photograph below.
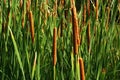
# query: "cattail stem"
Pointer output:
{"type": "Point", "coordinates": [31, 25]}
{"type": "Point", "coordinates": [84, 14]}
{"type": "Point", "coordinates": [88, 28]}
{"type": "Point", "coordinates": [75, 27]}
{"type": "Point", "coordinates": [108, 17]}
{"type": "Point", "coordinates": [82, 73]}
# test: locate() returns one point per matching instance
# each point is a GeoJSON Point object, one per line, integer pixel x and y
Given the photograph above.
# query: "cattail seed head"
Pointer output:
{"type": "Point", "coordinates": [82, 73]}
{"type": "Point", "coordinates": [54, 46]}
{"type": "Point", "coordinates": [96, 9]}
{"type": "Point", "coordinates": [75, 28]}
{"type": "Point", "coordinates": [31, 25]}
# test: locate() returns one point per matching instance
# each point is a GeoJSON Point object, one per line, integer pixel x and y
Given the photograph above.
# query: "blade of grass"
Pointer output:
{"type": "Point", "coordinates": [17, 53]}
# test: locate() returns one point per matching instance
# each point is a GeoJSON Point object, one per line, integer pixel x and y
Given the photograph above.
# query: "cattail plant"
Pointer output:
{"type": "Point", "coordinates": [54, 51]}
{"type": "Point", "coordinates": [88, 28]}
{"type": "Point", "coordinates": [31, 20]}
{"type": "Point", "coordinates": [82, 73]}
{"type": "Point", "coordinates": [76, 39]}
{"type": "Point", "coordinates": [75, 27]}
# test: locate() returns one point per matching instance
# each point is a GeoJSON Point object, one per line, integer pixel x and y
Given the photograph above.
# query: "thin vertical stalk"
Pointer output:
{"type": "Point", "coordinates": [96, 15]}
{"type": "Point", "coordinates": [108, 17]}
{"type": "Point", "coordinates": [34, 66]}
{"type": "Point", "coordinates": [62, 3]}
{"type": "Point", "coordinates": [77, 71]}
{"type": "Point", "coordinates": [88, 28]}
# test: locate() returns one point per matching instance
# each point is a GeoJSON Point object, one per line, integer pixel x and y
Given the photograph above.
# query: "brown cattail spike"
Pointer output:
{"type": "Point", "coordinates": [75, 27]}
{"type": "Point", "coordinates": [31, 25]}
{"type": "Point", "coordinates": [82, 73]}
{"type": "Point", "coordinates": [96, 9]}
{"type": "Point", "coordinates": [54, 46]}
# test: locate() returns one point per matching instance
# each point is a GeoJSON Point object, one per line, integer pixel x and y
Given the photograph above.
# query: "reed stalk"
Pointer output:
{"type": "Point", "coordinates": [108, 17]}
{"type": "Point", "coordinates": [88, 28]}
{"type": "Point", "coordinates": [84, 14]}
{"type": "Point", "coordinates": [62, 4]}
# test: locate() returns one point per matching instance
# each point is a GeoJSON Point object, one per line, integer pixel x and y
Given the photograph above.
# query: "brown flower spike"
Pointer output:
{"type": "Point", "coordinates": [54, 46]}
{"type": "Point", "coordinates": [75, 27]}
{"type": "Point", "coordinates": [82, 73]}
{"type": "Point", "coordinates": [31, 25]}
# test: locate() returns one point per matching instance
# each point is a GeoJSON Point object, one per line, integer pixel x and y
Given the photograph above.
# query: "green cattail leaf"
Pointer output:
{"type": "Point", "coordinates": [17, 52]}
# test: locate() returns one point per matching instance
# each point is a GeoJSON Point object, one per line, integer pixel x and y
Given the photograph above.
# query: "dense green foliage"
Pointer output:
{"type": "Point", "coordinates": [17, 52]}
